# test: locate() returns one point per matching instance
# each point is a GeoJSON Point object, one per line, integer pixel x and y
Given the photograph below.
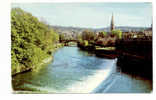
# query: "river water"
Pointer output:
{"type": "Point", "coordinates": [76, 71]}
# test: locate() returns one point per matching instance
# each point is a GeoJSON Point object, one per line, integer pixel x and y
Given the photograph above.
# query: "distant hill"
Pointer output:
{"type": "Point", "coordinates": [125, 28]}
{"type": "Point", "coordinates": [79, 30]}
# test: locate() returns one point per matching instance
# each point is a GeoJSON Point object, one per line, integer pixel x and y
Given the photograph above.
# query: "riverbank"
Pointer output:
{"type": "Point", "coordinates": [100, 51]}
{"type": "Point", "coordinates": [22, 69]}
{"type": "Point", "coordinates": [134, 55]}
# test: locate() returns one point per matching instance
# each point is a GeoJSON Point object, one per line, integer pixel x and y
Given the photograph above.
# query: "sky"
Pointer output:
{"type": "Point", "coordinates": [91, 15]}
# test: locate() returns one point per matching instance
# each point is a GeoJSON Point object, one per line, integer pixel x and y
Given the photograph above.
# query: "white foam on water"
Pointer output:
{"type": "Point", "coordinates": [87, 85]}
{"type": "Point", "coordinates": [93, 81]}
{"type": "Point", "coordinates": [90, 83]}
{"type": "Point", "coordinates": [39, 89]}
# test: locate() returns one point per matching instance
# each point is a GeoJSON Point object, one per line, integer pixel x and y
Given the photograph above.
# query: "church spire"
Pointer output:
{"type": "Point", "coordinates": [112, 27]}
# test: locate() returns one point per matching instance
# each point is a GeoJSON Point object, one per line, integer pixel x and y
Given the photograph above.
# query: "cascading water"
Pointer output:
{"type": "Point", "coordinates": [74, 71]}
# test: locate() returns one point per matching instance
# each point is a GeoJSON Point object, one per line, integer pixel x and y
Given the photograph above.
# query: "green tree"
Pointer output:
{"type": "Point", "coordinates": [88, 35]}
{"type": "Point", "coordinates": [61, 37]}
{"type": "Point", "coordinates": [102, 34]}
{"type": "Point", "coordinates": [117, 33]}
{"type": "Point", "coordinates": [31, 40]}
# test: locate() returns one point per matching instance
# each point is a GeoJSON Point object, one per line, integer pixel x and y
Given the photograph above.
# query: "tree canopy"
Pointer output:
{"type": "Point", "coordinates": [102, 34]}
{"type": "Point", "coordinates": [118, 33]}
{"type": "Point", "coordinates": [31, 40]}
{"type": "Point", "coordinates": [88, 35]}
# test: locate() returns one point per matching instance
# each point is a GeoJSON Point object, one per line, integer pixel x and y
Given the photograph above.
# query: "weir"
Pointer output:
{"type": "Point", "coordinates": [77, 71]}
{"type": "Point", "coordinates": [72, 71]}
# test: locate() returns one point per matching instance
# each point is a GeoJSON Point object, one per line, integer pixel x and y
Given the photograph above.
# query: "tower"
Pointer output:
{"type": "Point", "coordinates": [112, 27]}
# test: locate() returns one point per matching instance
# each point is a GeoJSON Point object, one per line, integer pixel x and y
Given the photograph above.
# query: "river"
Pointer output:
{"type": "Point", "coordinates": [76, 71]}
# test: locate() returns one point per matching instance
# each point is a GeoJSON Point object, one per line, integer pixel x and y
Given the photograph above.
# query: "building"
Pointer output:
{"type": "Point", "coordinates": [112, 26]}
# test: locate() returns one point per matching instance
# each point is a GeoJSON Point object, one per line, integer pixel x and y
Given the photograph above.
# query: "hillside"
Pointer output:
{"type": "Point", "coordinates": [78, 30]}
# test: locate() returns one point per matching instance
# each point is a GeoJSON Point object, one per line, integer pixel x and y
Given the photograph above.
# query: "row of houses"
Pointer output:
{"type": "Point", "coordinates": [135, 34]}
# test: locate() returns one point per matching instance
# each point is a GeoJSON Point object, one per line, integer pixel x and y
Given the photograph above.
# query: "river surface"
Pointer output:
{"type": "Point", "coordinates": [76, 71]}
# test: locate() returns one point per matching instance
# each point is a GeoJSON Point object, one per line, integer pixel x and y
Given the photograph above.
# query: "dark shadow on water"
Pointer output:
{"type": "Point", "coordinates": [136, 67]}
{"type": "Point", "coordinates": [142, 69]}
{"type": "Point", "coordinates": [86, 53]}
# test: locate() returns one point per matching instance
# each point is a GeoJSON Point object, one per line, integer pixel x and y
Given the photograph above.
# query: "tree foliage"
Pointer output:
{"type": "Point", "coordinates": [88, 35]}
{"type": "Point", "coordinates": [61, 37]}
{"type": "Point", "coordinates": [102, 34]}
{"type": "Point", "coordinates": [31, 40]}
{"type": "Point", "coordinates": [117, 33]}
